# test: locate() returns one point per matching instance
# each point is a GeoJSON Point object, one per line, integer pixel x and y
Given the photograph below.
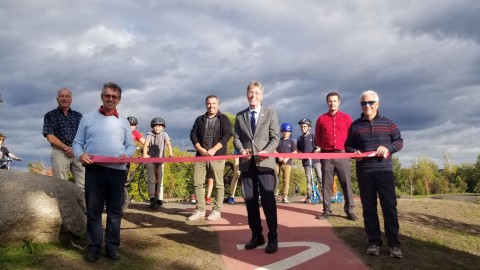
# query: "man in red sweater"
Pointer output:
{"type": "Point", "coordinates": [331, 131]}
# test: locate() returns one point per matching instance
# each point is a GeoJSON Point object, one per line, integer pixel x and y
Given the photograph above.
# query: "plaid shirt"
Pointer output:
{"type": "Point", "coordinates": [64, 127]}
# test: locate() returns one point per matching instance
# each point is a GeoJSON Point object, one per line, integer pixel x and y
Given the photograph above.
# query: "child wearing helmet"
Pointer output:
{"type": "Point", "coordinates": [137, 136]}
{"type": "Point", "coordinates": [284, 165]}
{"type": "Point", "coordinates": [154, 147]}
{"type": "Point", "coordinates": [306, 144]}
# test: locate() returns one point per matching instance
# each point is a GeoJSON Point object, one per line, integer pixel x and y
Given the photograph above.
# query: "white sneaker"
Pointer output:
{"type": "Point", "coordinates": [214, 215]}
{"type": "Point", "coordinates": [197, 215]}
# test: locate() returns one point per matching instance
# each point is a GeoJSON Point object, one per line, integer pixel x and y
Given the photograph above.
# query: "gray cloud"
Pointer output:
{"type": "Point", "coordinates": [422, 57]}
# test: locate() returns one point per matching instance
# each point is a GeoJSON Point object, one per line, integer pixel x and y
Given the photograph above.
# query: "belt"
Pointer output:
{"type": "Point", "coordinates": [332, 151]}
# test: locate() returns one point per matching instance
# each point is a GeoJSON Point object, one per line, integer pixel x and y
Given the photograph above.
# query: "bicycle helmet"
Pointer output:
{"type": "Point", "coordinates": [305, 121]}
{"type": "Point", "coordinates": [286, 127]}
{"type": "Point", "coordinates": [2, 136]}
{"type": "Point", "coordinates": [158, 121]}
{"type": "Point", "coordinates": [133, 121]}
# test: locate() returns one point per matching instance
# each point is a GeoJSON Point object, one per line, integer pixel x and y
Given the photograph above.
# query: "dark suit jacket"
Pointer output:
{"type": "Point", "coordinates": [266, 137]}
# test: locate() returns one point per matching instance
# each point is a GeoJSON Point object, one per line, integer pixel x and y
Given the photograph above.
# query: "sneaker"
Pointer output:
{"type": "Point", "coordinates": [323, 216]}
{"type": "Point", "coordinates": [285, 200]}
{"type": "Point", "coordinates": [208, 201]}
{"type": "Point", "coordinates": [395, 252]}
{"type": "Point", "coordinates": [307, 200]}
{"type": "Point", "coordinates": [373, 250]}
{"type": "Point", "coordinates": [352, 217]}
{"type": "Point", "coordinates": [160, 203]}
{"type": "Point", "coordinates": [197, 215]}
{"type": "Point", "coordinates": [214, 215]}
{"type": "Point", "coordinates": [193, 200]}
{"type": "Point", "coordinates": [231, 200]}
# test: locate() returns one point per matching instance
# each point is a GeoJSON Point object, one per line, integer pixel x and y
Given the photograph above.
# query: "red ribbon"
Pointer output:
{"type": "Point", "coordinates": [103, 159]}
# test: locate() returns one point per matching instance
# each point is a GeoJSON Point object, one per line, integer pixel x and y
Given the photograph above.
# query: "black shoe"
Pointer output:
{"type": "Point", "coordinates": [160, 202]}
{"type": "Point", "coordinates": [272, 246]}
{"type": "Point", "coordinates": [152, 203]}
{"type": "Point", "coordinates": [254, 242]}
{"type": "Point", "coordinates": [113, 254]}
{"type": "Point", "coordinates": [352, 217]}
{"type": "Point", "coordinates": [92, 256]}
{"type": "Point", "coordinates": [323, 216]}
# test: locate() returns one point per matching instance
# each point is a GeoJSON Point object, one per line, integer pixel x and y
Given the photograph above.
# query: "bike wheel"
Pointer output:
{"type": "Point", "coordinates": [228, 173]}
{"type": "Point", "coordinates": [126, 199]}
{"type": "Point", "coordinates": [142, 182]}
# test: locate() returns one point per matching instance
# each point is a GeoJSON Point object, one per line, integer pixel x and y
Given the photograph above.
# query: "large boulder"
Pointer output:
{"type": "Point", "coordinates": [38, 208]}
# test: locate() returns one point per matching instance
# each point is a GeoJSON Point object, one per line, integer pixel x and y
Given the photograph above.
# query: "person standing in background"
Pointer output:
{"type": "Point", "coordinates": [330, 134]}
{"type": "Point", "coordinates": [59, 127]}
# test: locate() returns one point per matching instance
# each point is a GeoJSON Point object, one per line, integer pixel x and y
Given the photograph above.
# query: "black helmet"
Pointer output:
{"type": "Point", "coordinates": [133, 121]}
{"type": "Point", "coordinates": [158, 121]}
{"type": "Point", "coordinates": [305, 121]}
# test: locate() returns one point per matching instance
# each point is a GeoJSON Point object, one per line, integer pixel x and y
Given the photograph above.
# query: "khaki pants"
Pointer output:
{"type": "Point", "coordinates": [283, 169]}
{"type": "Point", "coordinates": [214, 169]}
{"type": "Point", "coordinates": [63, 164]}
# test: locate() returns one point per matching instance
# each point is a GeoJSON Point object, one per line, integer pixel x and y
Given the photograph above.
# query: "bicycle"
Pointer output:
{"type": "Point", "coordinates": [139, 175]}
{"type": "Point", "coordinates": [8, 163]}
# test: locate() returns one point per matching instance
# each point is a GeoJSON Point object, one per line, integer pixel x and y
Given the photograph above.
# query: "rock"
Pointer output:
{"type": "Point", "coordinates": [39, 209]}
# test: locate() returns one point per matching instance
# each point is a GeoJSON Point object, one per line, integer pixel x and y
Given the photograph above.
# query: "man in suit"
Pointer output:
{"type": "Point", "coordinates": [257, 132]}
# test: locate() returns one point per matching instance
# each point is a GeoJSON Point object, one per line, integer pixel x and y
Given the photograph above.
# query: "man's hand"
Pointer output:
{"type": "Point", "coordinates": [211, 152]}
{"type": "Point", "coordinates": [85, 159]}
{"type": "Point", "coordinates": [246, 152]}
{"type": "Point", "coordinates": [382, 151]}
{"type": "Point", "coordinates": [262, 158]}
{"type": "Point", "coordinates": [358, 153]}
{"type": "Point", "coordinates": [69, 151]}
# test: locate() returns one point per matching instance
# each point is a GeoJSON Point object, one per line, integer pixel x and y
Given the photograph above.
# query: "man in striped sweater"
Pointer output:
{"type": "Point", "coordinates": [374, 132]}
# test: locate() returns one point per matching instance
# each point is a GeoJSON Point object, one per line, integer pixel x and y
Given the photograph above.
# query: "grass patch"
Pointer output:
{"type": "Point", "coordinates": [435, 234]}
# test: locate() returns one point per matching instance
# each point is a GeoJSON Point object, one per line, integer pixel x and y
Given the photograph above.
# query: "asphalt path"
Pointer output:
{"type": "Point", "coordinates": [304, 241]}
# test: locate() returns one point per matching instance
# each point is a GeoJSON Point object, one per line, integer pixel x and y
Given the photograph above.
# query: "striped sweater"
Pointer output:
{"type": "Point", "coordinates": [365, 136]}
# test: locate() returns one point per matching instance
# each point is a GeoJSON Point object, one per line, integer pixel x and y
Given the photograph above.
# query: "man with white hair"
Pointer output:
{"type": "Point", "coordinates": [59, 127]}
{"type": "Point", "coordinates": [374, 132]}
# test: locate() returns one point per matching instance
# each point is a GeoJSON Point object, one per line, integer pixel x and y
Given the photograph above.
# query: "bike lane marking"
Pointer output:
{"type": "Point", "coordinates": [304, 241]}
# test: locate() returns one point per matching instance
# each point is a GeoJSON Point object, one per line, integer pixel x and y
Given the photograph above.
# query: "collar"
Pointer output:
{"type": "Point", "coordinates": [366, 119]}
{"type": "Point", "coordinates": [114, 113]}
{"type": "Point", "coordinates": [60, 109]}
{"type": "Point", "coordinates": [257, 110]}
{"type": "Point", "coordinates": [333, 114]}
{"type": "Point", "coordinates": [216, 115]}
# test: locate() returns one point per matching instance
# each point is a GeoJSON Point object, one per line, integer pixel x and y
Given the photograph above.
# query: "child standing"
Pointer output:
{"type": "Point", "coordinates": [284, 165]}
{"type": "Point", "coordinates": [154, 147]}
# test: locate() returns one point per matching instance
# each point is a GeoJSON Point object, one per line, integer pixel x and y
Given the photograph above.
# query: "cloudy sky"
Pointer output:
{"type": "Point", "coordinates": [422, 57]}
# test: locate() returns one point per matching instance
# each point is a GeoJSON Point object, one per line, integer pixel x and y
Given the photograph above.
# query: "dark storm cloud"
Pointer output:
{"type": "Point", "coordinates": [422, 57]}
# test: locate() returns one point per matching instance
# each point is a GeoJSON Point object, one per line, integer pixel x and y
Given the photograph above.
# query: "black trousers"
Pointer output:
{"type": "Point", "coordinates": [383, 184]}
{"type": "Point", "coordinates": [260, 183]}
{"type": "Point", "coordinates": [104, 185]}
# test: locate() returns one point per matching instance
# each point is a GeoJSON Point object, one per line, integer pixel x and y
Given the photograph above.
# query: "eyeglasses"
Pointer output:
{"type": "Point", "coordinates": [256, 93]}
{"type": "Point", "coordinates": [364, 103]}
{"type": "Point", "coordinates": [106, 96]}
